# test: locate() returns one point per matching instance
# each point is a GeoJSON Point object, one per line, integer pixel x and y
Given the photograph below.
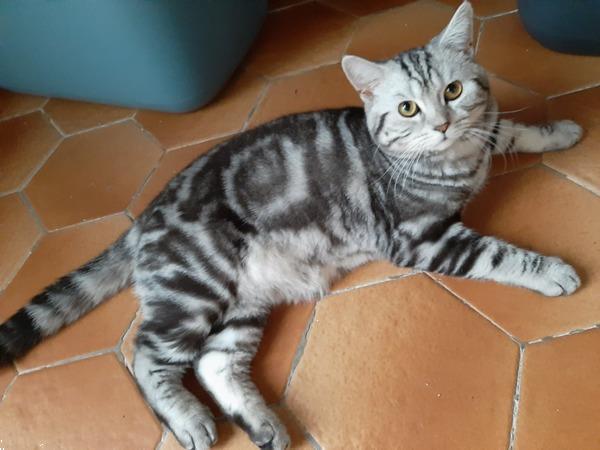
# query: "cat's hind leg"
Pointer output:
{"type": "Point", "coordinates": [178, 314]}
{"type": "Point", "coordinates": [223, 368]}
{"type": "Point", "coordinates": [558, 135]}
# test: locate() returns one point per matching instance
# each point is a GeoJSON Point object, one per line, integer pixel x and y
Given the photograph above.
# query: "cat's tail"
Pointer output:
{"type": "Point", "coordinates": [69, 298]}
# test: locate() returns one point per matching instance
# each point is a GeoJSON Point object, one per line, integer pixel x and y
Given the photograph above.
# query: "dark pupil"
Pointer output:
{"type": "Point", "coordinates": [406, 107]}
{"type": "Point", "coordinates": [452, 88]}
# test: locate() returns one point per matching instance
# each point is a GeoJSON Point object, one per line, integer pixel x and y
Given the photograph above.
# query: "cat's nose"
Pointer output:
{"type": "Point", "coordinates": [443, 127]}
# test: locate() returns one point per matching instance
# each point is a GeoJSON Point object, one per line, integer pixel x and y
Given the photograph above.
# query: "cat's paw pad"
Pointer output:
{"type": "Point", "coordinates": [566, 133]}
{"type": "Point", "coordinates": [558, 278]}
{"type": "Point", "coordinates": [271, 434]}
{"type": "Point", "coordinates": [195, 432]}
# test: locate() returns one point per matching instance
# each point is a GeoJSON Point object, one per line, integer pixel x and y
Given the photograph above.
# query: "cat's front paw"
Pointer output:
{"type": "Point", "coordinates": [566, 134]}
{"type": "Point", "coordinates": [556, 278]}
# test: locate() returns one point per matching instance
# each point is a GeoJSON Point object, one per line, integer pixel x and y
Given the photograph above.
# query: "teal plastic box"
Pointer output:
{"type": "Point", "coordinates": [168, 55]}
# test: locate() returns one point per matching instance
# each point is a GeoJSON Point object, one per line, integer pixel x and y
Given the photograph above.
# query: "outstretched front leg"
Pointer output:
{"type": "Point", "coordinates": [460, 251]}
{"type": "Point", "coordinates": [506, 136]}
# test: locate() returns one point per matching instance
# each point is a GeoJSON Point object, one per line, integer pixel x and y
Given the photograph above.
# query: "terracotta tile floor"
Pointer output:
{"type": "Point", "coordinates": [392, 359]}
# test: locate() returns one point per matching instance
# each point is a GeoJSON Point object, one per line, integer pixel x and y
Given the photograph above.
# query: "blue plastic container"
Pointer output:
{"type": "Point", "coordinates": [168, 55]}
{"type": "Point", "coordinates": [567, 26]}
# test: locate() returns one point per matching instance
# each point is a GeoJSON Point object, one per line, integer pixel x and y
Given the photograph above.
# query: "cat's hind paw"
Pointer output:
{"type": "Point", "coordinates": [195, 432]}
{"type": "Point", "coordinates": [270, 434]}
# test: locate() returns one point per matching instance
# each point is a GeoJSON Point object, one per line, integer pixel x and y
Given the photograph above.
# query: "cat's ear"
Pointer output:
{"type": "Point", "coordinates": [363, 74]}
{"type": "Point", "coordinates": [458, 34]}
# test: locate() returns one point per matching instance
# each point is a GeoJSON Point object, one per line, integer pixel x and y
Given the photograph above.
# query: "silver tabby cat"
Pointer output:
{"type": "Point", "coordinates": [276, 214]}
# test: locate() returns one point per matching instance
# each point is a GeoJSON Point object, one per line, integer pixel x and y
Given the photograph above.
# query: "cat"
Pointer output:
{"type": "Point", "coordinates": [277, 213]}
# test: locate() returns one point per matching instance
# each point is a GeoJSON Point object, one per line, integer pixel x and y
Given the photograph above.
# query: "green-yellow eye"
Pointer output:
{"type": "Point", "coordinates": [408, 108]}
{"type": "Point", "coordinates": [453, 91]}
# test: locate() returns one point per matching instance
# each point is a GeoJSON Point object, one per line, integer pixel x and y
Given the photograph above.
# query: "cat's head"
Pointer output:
{"type": "Point", "coordinates": [426, 98]}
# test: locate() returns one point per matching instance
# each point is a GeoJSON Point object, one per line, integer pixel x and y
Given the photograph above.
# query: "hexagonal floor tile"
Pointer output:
{"type": "Point", "coordinates": [560, 388]}
{"type": "Point", "coordinates": [13, 104]}
{"type": "Point", "coordinates": [92, 175]}
{"type": "Point", "coordinates": [56, 255]}
{"type": "Point", "coordinates": [170, 165]}
{"type": "Point", "coordinates": [232, 437]}
{"type": "Point", "coordinates": [72, 116]}
{"type": "Point", "coordinates": [521, 105]}
{"type": "Point", "coordinates": [224, 115]}
{"type": "Point", "coordinates": [16, 222]}
{"type": "Point", "coordinates": [362, 8]}
{"type": "Point", "coordinates": [24, 144]}
{"type": "Point", "coordinates": [582, 163]}
{"type": "Point", "coordinates": [387, 34]}
{"type": "Point", "coordinates": [484, 8]}
{"type": "Point", "coordinates": [296, 38]}
{"type": "Point", "coordinates": [536, 209]}
{"type": "Point", "coordinates": [89, 404]}
{"type": "Point", "coordinates": [507, 50]}
{"type": "Point", "coordinates": [404, 362]}
{"type": "Point", "coordinates": [325, 87]}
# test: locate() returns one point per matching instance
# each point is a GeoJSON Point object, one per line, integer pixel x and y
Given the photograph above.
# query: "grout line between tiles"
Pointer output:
{"type": "Point", "coordinates": [298, 423]}
{"type": "Point", "coordinates": [479, 34]}
{"type": "Point", "coordinates": [312, 441]}
{"type": "Point", "coordinates": [302, 71]}
{"type": "Point", "coordinates": [99, 127]}
{"type": "Point", "coordinates": [569, 178]}
{"type": "Point", "coordinates": [163, 438]}
{"type": "Point", "coordinates": [471, 307]}
{"type": "Point", "coordinates": [283, 8]}
{"type": "Point", "coordinates": [52, 122]}
{"type": "Point", "coordinates": [257, 104]}
{"type": "Point", "coordinates": [500, 14]}
{"type": "Point", "coordinates": [11, 276]}
{"type": "Point", "coordinates": [22, 113]}
{"type": "Point", "coordinates": [513, 169]}
{"type": "Point", "coordinates": [36, 218]}
{"type": "Point", "coordinates": [371, 283]}
{"type": "Point", "coordinates": [565, 334]}
{"type": "Point", "coordinates": [300, 351]}
{"type": "Point", "coordinates": [519, 86]}
{"type": "Point", "coordinates": [64, 362]}
{"type": "Point", "coordinates": [39, 165]}
{"type": "Point", "coordinates": [85, 222]}
{"type": "Point", "coordinates": [202, 140]}
{"type": "Point", "coordinates": [42, 232]}
{"type": "Point", "coordinates": [516, 399]}
{"type": "Point", "coordinates": [146, 132]}
{"type": "Point", "coordinates": [143, 185]}
{"type": "Point", "coordinates": [573, 91]}
{"type": "Point", "coordinates": [355, 26]}
{"type": "Point", "coordinates": [8, 388]}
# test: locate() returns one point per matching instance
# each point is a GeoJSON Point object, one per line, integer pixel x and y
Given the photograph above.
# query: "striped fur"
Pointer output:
{"type": "Point", "coordinates": [279, 212]}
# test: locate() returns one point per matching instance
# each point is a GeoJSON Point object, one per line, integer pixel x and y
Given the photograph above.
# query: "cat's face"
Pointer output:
{"type": "Point", "coordinates": [425, 99]}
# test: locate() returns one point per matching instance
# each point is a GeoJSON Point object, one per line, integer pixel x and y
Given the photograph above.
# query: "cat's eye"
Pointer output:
{"type": "Point", "coordinates": [408, 108]}
{"type": "Point", "coordinates": [453, 91]}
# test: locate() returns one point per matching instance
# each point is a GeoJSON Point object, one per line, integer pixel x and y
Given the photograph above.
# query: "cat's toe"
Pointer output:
{"type": "Point", "coordinates": [196, 433]}
{"type": "Point", "coordinates": [559, 278]}
{"type": "Point", "coordinates": [567, 134]}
